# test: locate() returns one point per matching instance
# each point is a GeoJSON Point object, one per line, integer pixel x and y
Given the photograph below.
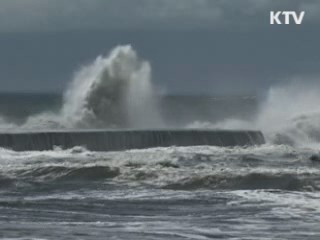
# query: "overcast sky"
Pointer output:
{"type": "Point", "coordinates": [194, 46]}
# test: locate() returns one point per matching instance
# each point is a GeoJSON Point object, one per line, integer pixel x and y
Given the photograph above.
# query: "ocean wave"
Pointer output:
{"type": "Point", "coordinates": [115, 91]}
{"type": "Point", "coordinates": [282, 119]}
{"type": "Point", "coordinates": [176, 168]}
{"type": "Point", "coordinates": [61, 173]}
{"type": "Point", "coordinates": [6, 182]}
{"type": "Point", "coordinates": [250, 181]}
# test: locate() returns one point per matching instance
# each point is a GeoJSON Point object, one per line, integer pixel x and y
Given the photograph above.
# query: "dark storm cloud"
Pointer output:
{"type": "Point", "coordinates": [194, 46]}
{"type": "Point", "coordinates": [56, 15]}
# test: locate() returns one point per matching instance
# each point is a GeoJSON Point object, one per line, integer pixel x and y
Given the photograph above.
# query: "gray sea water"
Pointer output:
{"type": "Point", "coordinates": [199, 192]}
{"type": "Point", "coordinates": [204, 192]}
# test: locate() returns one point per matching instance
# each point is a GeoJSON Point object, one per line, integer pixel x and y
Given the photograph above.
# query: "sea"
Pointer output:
{"type": "Point", "coordinates": [267, 191]}
{"type": "Point", "coordinates": [197, 192]}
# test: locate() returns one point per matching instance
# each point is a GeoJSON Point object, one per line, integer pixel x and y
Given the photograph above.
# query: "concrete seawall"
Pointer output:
{"type": "Point", "coordinates": [113, 140]}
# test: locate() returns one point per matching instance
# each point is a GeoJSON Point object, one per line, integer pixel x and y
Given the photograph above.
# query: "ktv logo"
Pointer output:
{"type": "Point", "coordinates": [286, 17]}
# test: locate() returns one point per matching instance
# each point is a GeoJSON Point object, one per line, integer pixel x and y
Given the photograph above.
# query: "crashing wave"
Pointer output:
{"type": "Point", "coordinates": [113, 92]}
{"type": "Point", "coordinates": [289, 115]}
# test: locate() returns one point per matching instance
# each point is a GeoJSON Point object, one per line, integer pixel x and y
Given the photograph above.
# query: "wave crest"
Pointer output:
{"type": "Point", "coordinates": [251, 181]}
{"type": "Point", "coordinates": [61, 173]}
{"type": "Point", "coordinates": [115, 91]}
{"type": "Point", "coordinates": [112, 92]}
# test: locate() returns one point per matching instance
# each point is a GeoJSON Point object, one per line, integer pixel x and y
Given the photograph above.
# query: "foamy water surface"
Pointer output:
{"type": "Point", "coordinates": [266, 192]}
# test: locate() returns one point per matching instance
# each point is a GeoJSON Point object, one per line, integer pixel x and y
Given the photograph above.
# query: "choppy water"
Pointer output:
{"type": "Point", "coordinates": [266, 192]}
{"type": "Point", "coordinates": [205, 192]}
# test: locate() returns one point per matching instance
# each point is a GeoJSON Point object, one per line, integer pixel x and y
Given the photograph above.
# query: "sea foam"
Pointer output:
{"type": "Point", "coordinates": [115, 91]}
